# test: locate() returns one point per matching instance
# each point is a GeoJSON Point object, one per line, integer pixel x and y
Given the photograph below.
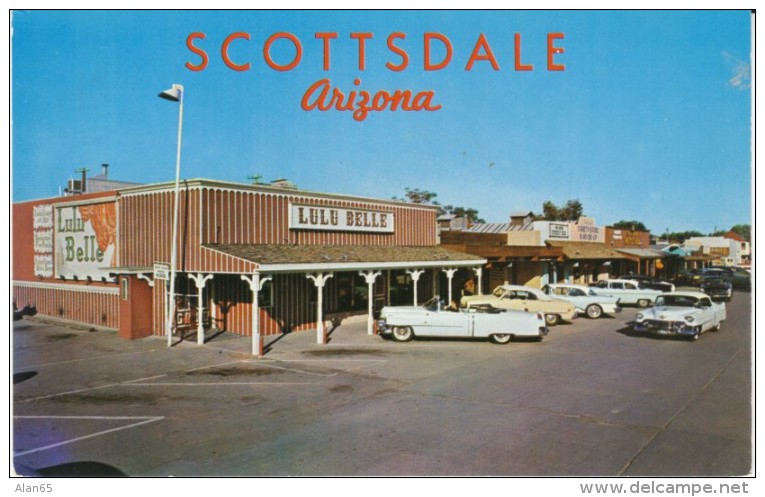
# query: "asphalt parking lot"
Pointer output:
{"type": "Point", "coordinates": [588, 400]}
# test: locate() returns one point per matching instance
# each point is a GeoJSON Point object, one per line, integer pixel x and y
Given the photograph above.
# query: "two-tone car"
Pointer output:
{"type": "Point", "coordinates": [687, 314]}
{"type": "Point", "coordinates": [524, 298]}
{"type": "Point", "coordinates": [585, 299]}
{"type": "Point", "coordinates": [435, 319]}
{"type": "Point", "coordinates": [628, 292]}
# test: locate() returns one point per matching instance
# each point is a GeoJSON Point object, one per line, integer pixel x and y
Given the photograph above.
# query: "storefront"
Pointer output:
{"type": "Point", "coordinates": [252, 259]}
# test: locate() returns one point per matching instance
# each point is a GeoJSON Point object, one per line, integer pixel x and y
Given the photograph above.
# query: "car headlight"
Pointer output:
{"type": "Point", "coordinates": [639, 316]}
{"type": "Point", "coordinates": [688, 319]}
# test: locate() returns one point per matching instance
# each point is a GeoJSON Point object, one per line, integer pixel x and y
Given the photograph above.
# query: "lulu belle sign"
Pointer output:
{"type": "Point", "coordinates": [328, 218]}
{"type": "Point", "coordinates": [85, 240]}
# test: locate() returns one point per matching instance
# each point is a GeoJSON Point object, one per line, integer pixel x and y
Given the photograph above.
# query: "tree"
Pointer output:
{"type": "Point", "coordinates": [682, 236]}
{"type": "Point", "coordinates": [417, 196]}
{"type": "Point", "coordinates": [572, 211]}
{"type": "Point", "coordinates": [630, 225]}
{"type": "Point", "coordinates": [744, 231]}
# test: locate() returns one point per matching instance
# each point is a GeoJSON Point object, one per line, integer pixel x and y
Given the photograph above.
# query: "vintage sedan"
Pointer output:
{"type": "Point", "coordinates": [627, 291]}
{"type": "Point", "coordinates": [645, 281]}
{"type": "Point", "coordinates": [585, 299]}
{"type": "Point", "coordinates": [524, 298]}
{"type": "Point", "coordinates": [716, 284]}
{"type": "Point", "coordinates": [434, 319]}
{"type": "Point", "coordinates": [681, 314]}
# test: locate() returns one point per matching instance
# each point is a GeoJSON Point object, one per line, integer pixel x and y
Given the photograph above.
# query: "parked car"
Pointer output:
{"type": "Point", "coordinates": [627, 291]}
{"type": "Point", "coordinates": [717, 284]}
{"type": "Point", "coordinates": [688, 278]}
{"type": "Point", "coordinates": [524, 298]}
{"type": "Point", "coordinates": [645, 281]}
{"type": "Point", "coordinates": [585, 299]}
{"type": "Point", "coordinates": [681, 314]}
{"type": "Point", "coordinates": [742, 278]}
{"type": "Point", "coordinates": [434, 319]}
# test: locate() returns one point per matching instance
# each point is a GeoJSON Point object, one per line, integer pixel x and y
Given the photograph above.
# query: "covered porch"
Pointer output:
{"type": "Point", "coordinates": [302, 287]}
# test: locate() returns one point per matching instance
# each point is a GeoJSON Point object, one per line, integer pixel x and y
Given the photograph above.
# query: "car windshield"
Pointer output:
{"type": "Point", "coordinates": [499, 291]}
{"type": "Point", "coordinates": [432, 304]}
{"type": "Point", "coordinates": [676, 301]}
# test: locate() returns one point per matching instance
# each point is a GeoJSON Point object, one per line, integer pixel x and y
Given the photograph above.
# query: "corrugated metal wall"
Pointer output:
{"type": "Point", "coordinates": [91, 305]}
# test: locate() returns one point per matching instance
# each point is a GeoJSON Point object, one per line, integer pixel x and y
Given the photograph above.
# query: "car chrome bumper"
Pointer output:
{"type": "Point", "coordinates": [662, 328]}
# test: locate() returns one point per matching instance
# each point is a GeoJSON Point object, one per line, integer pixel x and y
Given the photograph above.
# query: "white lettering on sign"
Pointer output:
{"type": "Point", "coordinates": [326, 218]}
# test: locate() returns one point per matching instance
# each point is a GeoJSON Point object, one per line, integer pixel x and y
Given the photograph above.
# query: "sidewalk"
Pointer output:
{"type": "Point", "coordinates": [352, 332]}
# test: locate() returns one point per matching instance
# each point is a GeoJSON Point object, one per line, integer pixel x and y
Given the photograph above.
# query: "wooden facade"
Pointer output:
{"type": "Point", "coordinates": [218, 222]}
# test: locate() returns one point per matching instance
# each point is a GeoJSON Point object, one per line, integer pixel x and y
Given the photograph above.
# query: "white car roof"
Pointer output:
{"type": "Point", "coordinates": [568, 285]}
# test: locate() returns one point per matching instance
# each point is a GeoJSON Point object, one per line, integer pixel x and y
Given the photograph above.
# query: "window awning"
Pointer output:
{"type": "Point", "coordinates": [287, 258]}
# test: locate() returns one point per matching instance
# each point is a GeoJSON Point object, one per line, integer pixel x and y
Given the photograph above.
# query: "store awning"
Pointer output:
{"type": "Point", "coordinates": [586, 250]}
{"type": "Point", "coordinates": [298, 258]}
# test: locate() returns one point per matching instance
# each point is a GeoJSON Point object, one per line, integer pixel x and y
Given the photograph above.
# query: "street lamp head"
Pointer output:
{"type": "Point", "coordinates": [174, 94]}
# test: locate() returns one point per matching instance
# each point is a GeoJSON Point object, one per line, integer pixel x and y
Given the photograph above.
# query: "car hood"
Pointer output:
{"type": "Point", "coordinates": [670, 313]}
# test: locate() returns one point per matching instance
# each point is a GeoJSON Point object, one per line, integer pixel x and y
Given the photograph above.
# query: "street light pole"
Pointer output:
{"type": "Point", "coordinates": [174, 94]}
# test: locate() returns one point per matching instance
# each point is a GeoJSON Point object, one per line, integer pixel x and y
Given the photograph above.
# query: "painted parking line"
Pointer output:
{"type": "Point", "coordinates": [75, 361]}
{"type": "Point", "coordinates": [146, 381]}
{"type": "Point", "coordinates": [143, 420]}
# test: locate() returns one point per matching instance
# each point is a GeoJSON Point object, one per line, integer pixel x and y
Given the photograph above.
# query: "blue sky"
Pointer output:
{"type": "Point", "coordinates": [650, 120]}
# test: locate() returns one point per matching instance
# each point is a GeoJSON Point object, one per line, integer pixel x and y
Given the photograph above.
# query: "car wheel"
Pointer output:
{"type": "Point", "coordinates": [594, 311]}
{"type": "Point", "coordinates": [500, 338]}
{"type": "Point", "coordinates": [643, 303]}
{"type": "Point", "coordinates": [551, 319]}
{"type": "Point", "coordinates": [402, 333]}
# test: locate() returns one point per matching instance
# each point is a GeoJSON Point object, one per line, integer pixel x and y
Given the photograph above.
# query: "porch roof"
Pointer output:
{"type": "Point", "coordinates": [308, 258]}
{"type": "Point", "coordinates": [644, 253]}
{"type": "Point", "coordinates": [586, 250]}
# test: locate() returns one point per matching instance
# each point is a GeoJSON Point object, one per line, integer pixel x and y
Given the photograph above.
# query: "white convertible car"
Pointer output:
{"type": "Point", "coordinates": [585, 299]}
{"type": "Point", "coordinates": [680, 313]}
{"type": "Point", "coordinates": [432, 319]}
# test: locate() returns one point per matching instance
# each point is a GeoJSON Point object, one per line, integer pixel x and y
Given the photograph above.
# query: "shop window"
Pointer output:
{"type": "Point", "coordinates": [266, 296]}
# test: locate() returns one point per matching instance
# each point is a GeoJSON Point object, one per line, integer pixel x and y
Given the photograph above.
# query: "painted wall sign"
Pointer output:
{"type": "Point", "coordinates": [85, 240]}
{"type": "Point", "coordinates": [42, 229]}
{"type": "Point", "coordinates": [587, 234]}
{"type": "Point", "coordinates": [559, 231]}
{"type": "Point", "coordinates": [328, 218]}
{"type": "Point", "coordinates": [43, 216]}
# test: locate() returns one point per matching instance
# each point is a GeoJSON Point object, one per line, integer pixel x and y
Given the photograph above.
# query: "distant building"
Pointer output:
{"type": "Point", "coordinates": [727, 250]}
{"type": "Point", "coordinates": [98, 183]}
